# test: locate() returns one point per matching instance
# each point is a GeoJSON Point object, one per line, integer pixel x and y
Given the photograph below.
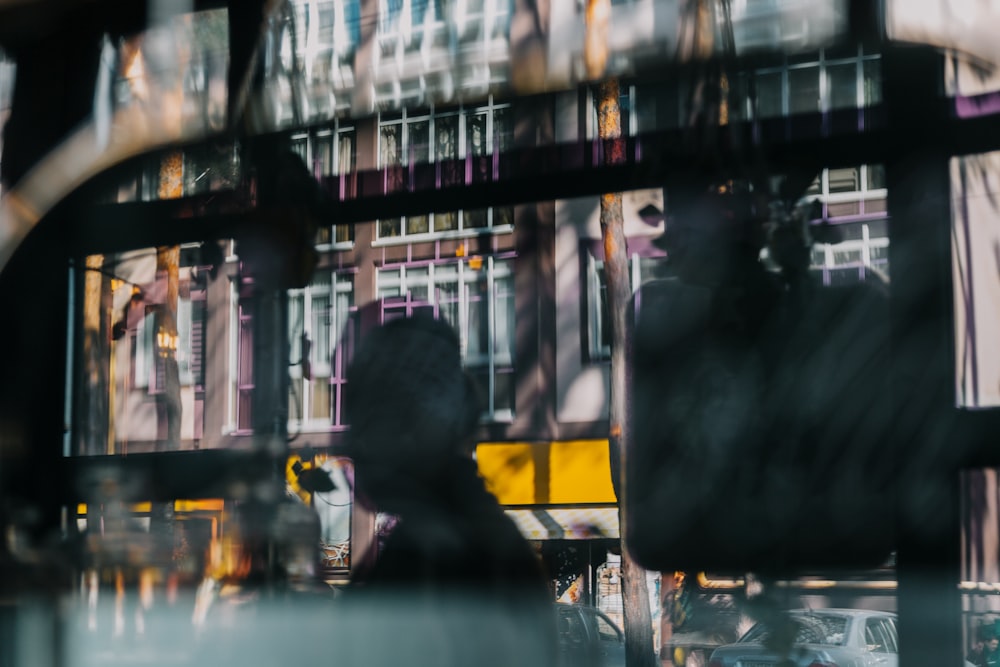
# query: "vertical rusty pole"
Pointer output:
{"type": "Point", "coordinates": [168, 270]}
{"type": "Point", "coordinates": [635, 594]}
{"type": "Point", "coordinates": [93, 400]}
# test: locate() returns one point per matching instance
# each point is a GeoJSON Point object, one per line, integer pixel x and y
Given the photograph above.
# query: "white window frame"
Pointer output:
{"type": "Point", "coordinates": [333, 370]}
{"type": "Point", "coordinates": [405, 119]}
{"type": "Point", "coordinates": [597, 351]}
{"type": "Point", "coordinates": [859, 61]}
{"type": "Point", "coordinates": [863, 247]}
{"type": "Point", "coordinates": [496, 268]}
{"type": "Point", "coordinates": [306, 144]}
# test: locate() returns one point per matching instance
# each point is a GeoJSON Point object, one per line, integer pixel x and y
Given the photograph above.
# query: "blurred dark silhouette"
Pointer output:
{"type": "Point", "coordinates": [760, 404]}
{"type": "Point", "coordinates": [460, 585]}
{"type": "Point", "coordinates": [985, 650]}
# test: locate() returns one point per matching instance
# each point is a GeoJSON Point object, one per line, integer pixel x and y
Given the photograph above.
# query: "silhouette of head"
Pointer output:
{"type": "Point", "coordinates": [411, 407]}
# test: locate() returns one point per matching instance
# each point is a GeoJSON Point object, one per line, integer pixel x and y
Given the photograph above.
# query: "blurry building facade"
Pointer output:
{"type": "Point", "coordinates": [171, 329]}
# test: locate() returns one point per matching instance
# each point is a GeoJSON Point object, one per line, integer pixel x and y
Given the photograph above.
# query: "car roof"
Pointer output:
{"type": "Point", "coordinates": [842, 612]}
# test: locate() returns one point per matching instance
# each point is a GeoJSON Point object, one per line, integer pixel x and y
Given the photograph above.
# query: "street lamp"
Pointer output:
{"type": "Point", "coordinates": [166, 342]}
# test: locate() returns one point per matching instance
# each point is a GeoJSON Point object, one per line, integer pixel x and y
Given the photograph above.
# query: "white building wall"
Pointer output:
{"type": "Point", "coordinates": [582, 385]}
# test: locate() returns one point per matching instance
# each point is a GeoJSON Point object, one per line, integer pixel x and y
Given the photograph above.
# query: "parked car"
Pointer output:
{"type": "Point", "coordinates": [588, 638]}
{"type": "Point", "coordinates": [823, 638]}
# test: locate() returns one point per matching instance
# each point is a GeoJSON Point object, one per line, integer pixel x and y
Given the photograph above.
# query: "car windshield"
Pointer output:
{"type": "Point", "coordinates": [823, 629]}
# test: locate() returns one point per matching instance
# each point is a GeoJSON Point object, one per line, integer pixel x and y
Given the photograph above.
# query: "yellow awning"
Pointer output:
{"type": "Point", "coordinates": [573, 472]}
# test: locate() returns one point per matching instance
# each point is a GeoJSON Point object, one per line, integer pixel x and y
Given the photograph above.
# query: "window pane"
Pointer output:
{"type": "Point", "coordinates": [503, 216]}
{"type": "Point", "coordinates": [320, 407]}
{"type": "Point", "coordinates": [843, 86]}
{"type": "Point", "coordinates": [873, 82]}
{"type": "Point", "coordinates": [295, 399]}
{"type": "Point", "coordinates": [446, 139]}
{"type": "Point", "coordinates": [844, 180]}
{"type": "Point", "coordinates": [503, 390]}
{"type": "Point", "coordinates": [343, 233]}
{"type": "Point", "coordinates": [324, 154]}
{"type": "Point", "coordinates": [417, 224]}
{"type": "Point", "coordinates": [480, 377]}
{"type": "Point", "coordinates": [503, 130]}
{"type": "Point", "coordinates": [876, 177]}
{"type": "Point", "coordinates": [390, 228]}
{"type": "Point", "coordinates": [345, 152]}
{"type": "Point", "coordinates": [475, 130]}
{"type": "Point", "coordinates": [446, 293]}
{"type": "Point", "coordinates": [390, 144]}
{"type": "Point", "coordinates": [477, 344]}
{"type": "Point", "coordinates": [417, 286]}
{"type": "Point", "coordinates": [503, 346]}
{"type": "Point", "coordinates": [476, 219]}
{"type": "Point", "coordinates": [769, 95]}
{"type": "Point", "coordinates": [295, 328]}
{"type": "Point", "coordinates": [419, 147]}
{"type": "Point", "coordinates": [444, 222]}
{"type": "Point", "coordinates": [803, 90]}
{"type": "Point", "coordinates": [320, 335]}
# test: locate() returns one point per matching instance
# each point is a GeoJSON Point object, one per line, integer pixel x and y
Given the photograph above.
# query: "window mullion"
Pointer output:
{"type": "Point", "coordinates": [491, 333]}
{"type": "Point", "coordinates": [463, 318]}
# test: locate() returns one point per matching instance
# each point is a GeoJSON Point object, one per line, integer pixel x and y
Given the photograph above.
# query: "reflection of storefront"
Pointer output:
{"type": "Point", "coordinates": [326, 484]}
{"type": "Point", "coordinates": [560, 496]}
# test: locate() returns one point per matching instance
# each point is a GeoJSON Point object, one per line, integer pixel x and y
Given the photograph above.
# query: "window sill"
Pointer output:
{"type": "Point", "coordinates": [334, 247]}
{"type": "Point", "coordinates": [442, 236]}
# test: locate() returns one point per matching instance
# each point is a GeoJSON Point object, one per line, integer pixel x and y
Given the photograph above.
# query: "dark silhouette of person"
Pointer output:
{"type": "Point", "coordinates": [765, 384]}
{"type": "Point", "coordinates": [455, 582]}
{"type": "Point", "coordinates": [985, 653]}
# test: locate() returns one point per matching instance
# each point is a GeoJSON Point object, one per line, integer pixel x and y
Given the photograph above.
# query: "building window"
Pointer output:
{"type": "Point", "coordinates": [596, 330]}
{"type": "Point", "coordinates": [850, 193]}
{"type": "Point", "coordinates": [461, 144]}
{"type": "Point", "coordinates": [309, 59]}
{"type": "Point", "coordinates": [853, 200]}
{"type": "Point", "coordinates": [211, 168]}
{"type": "Point", "coordinates": [334, 508]}
{"type": "Point", "coordinates": [828, 82]}
{"type": "Point", "coordinates": [863, 251]}
{"type": "Point", "coordinates": [405, 26]}
{"type": "Point", "coordinates": [148, 309]}
{"type": "Point", "coordinates": [331, 155]}
{"type": "Point", "coordinates": [409, 26]}
{"type": "Point", "coordinates": [7, 71]}
{"type": "Point", "coordinates": [243, 365]}
{"type": "Point", "coordinates": [319, 314]}
{"type": "Point", "coordinates": [477, 298]}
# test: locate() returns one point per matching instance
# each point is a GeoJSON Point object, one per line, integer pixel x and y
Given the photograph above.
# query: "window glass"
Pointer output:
{"type": "Point", "coordinates": [503, 348]}
{"type": "Point", "coordinates": [843, 83]}
{"type": "Point", "coordinates": [769, 95]}
{"type": "Point", "coordinates": [346, 156]}
{"type": "Point", "coordinates": [844, 180]}
{"type": "Point", "coordinates": [503, 130]}
{"type": "Point", "coordinates": [417, 283]}
{"type": "Point", "coordinates": [803, 90]}
{"type": "Point", "coordinates": [476, 219]}
{"type": "Point", "coordinates": [390, 145]}
{"type": "Point", "coordinates": [390, 227]}
{"type": "Point", "coordinates": [476, 140]}
{"type": "Point", "coordinates": [419, 143]}
{"type": "Point", "coordinates": [446, 137]}
{"type": "Point", "coordinates": [873, 82]}
{"type": "Point", "coordinates": [875, 177]}
{"type": "Point", "coordinates": [444, 222]}
{"type": "Point", "coordinates": [417, 224]}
